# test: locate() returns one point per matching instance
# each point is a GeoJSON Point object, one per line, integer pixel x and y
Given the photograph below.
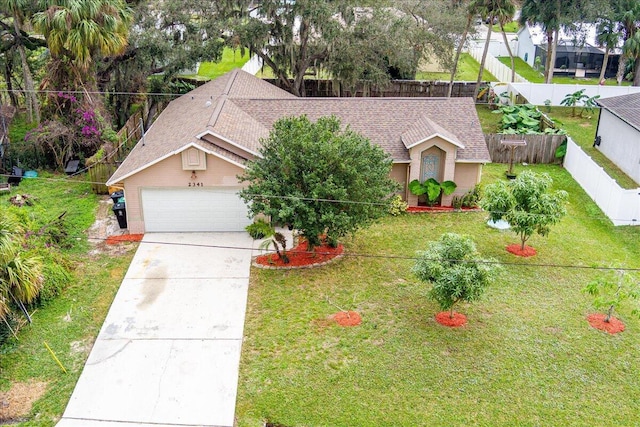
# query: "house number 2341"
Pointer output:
{"type": "Point", "coordinates": [196, 184]}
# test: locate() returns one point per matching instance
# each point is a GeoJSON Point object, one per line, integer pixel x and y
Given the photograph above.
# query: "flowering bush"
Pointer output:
{"type": "Point", "coordinates": [75, 129]}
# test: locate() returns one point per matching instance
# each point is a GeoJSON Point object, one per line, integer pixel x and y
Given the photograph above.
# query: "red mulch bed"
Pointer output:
{"type": "Point", "coordinates": [112, 240]}
{"type": "Point", "coordinates": [419, 209]}
{"type": "Point", "coordinates": [613, 326]}
{"type": "Point", "coordinates": [526, 252]}
{"type": "Point", "coordinates": [445, 319]}
{"type": "Point", "coordinates": [300, 256]}
{"type": "Point", "coordinates": [347, 318]}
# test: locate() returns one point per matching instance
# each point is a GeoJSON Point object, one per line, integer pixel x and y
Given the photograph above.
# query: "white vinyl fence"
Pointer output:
{"type": "Point", "coordinates": [621, 206]}
{"type": "Point", "coordinates": [538, 93]}
{"type": "Point", "coordinates": [495, 67]}
{"type": "Point", "coordinates": [253, 65]}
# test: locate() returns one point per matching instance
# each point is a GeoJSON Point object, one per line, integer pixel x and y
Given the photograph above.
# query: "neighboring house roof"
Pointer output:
{"type": "Point", "coordinates": [625, 107]}
{"type": "Point", "coordinates": [240, 109]}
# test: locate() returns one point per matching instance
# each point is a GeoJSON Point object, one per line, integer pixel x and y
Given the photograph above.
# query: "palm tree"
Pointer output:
{"type": "Point", "coordinates": [20, 273]}
{"type": "Point", "coordinates": [504, 11]}
{"type": "Point", "coordinates": [631, 50]}
{"type": "Point", "coordinates": [79, 32]}
{"type": "Point", "coordinates": [608, 37]}
{"type": "Point", "coordinates": [471, 12]}
{"type": "Point", "coordinates": [627, 14]}
{"type": "Point", "coordinates": [548, 13]}
{"type": "Point", "coordinates": [485, 10]}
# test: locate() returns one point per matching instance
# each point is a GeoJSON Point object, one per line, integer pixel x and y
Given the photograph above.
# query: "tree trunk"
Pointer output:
{"type": "Point", "coordinates": [463, 40]}
{"type": "Point", "coordinates": [552, 42]}
{"type": "Point", "coordinates": [636, 73]}
{"type": "Point", "coordinates": [607, 318]}
{"type": "Point", "coordinates": [484, 58]}
{"type": "Point", "coordinates": [605, 61]}
{"type": "Point", "coordinates": [548, 70]}
{"type": "Point", "coordinates": [622, 65]}
{"type": "Point", "coordinates": [33, 107]}
{"type": "Point", "coordinates": [7, 77]}
{"type": "Point", "coordinates": [513, 62]}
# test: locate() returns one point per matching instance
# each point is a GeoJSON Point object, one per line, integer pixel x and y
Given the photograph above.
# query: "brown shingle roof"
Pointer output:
{"type": "Point", "coordinates": [626, 107]}
{"type": "Point", "coordinates": [384, 120]}
{"type": "Point", "coordinates": [242, 108]}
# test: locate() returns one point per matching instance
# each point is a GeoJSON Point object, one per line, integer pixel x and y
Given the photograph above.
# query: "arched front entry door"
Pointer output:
{"type": "Point", "coordinates": [432, 164]}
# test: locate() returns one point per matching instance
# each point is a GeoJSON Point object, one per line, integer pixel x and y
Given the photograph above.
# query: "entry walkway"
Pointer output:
{"type": "Point", "coordinates": [169, 350]}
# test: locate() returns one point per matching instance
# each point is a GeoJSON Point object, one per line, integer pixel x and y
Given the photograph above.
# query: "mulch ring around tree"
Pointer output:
{"type": "Point", "coordinates": [518, 251]}
{"type": "Point", "coordinates": [301, 257]}
{"type": "Point", "coordinates": [347, 318]}
{"type": "Point", "coordinates": [613, 326]}
{"type": "Point", "coordinates": [112, 240]}
{"type": "Point", "coordinates": [445, 319]}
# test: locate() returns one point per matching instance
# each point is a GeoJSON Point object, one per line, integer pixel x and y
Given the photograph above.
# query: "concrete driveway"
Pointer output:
{"type": "Point", "coordinates": [169, 349]}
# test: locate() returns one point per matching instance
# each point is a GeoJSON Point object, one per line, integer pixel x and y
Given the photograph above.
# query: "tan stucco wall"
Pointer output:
{"type": "Point", "coordinates": [399, 173]}
{"type": "Point", "coordinates": [466, 177]}
{"type": "Point", "coordinates": [449, 165]}
{"type": "Point", "coordinates": [169, 174]}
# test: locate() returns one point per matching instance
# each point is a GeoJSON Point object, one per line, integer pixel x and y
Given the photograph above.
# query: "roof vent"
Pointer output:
{"type": "Point", "coordinates": [207, 104]}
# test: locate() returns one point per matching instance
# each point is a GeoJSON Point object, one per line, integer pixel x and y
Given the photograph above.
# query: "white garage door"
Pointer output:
{"type": "Point", "coordinates": [193, 209]}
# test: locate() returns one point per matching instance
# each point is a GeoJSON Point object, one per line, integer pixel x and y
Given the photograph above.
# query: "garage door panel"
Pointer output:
{"type": "Point", "coordinates": [193, 209]}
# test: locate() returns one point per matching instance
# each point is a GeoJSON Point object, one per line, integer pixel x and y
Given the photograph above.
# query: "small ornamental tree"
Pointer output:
{"type": "Point", "coordinates": [455, 270]}
{"type": "Point", "coordinates": [609, 294]}
{"type": "Point", "coordinates": [318, 178]}
{"type": "Point", "coordinates": [526, 203]}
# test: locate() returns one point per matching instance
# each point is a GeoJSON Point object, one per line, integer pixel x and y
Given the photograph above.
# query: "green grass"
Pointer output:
{"type": "Point", "coordinates": [468, 69]}
{"type": "Point", "coordinates": [510, 27]}
{"type": "Point", "coordinates": [69, 323]}
{"type": "Point", "coordinates": [533, 76]}
{"type": "Point", "coordinates": [230, 59]}
{"type": "Point", "coordinates": [583, 131]}
{"type": "Point", "coordinates": [526, 357]}
{"type": "Point", "coordinates": [488, 121]}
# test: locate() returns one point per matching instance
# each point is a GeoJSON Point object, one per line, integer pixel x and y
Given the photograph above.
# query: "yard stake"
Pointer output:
{"type": "Point", "coordinates": [54, 357]}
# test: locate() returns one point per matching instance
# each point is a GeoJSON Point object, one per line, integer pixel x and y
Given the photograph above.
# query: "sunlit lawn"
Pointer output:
{"type": "Point", "coordinates": [230, 59]}
{"type": "Point", "coordinates": [534, 76]}
{"type": "Point", "coordinates": [468, 69]}
{"type": "Point", "coordinates": [526, 357]}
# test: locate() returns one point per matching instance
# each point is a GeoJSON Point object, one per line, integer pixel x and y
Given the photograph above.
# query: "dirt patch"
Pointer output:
{"type": "Point", "coordinates": [445, 319]}
{"type": "Point", "coordinates": [613, 326]}
{"type": "Point", "coordinates": [347, 318]}
{"type": "Point", "coordinates": [301, 256]}
{"type": "Point", "coordinates": [15, 404]}
{"type": "Point", "coordinates": [518, 251]}
{"type": "Point", "coordinates": [106, 227]}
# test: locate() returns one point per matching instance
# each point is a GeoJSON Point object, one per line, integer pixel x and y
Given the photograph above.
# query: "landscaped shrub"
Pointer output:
{"type": "Point", "coordinates": [397, 206]}
{"type": "Point", "coordinates": [260, 229]}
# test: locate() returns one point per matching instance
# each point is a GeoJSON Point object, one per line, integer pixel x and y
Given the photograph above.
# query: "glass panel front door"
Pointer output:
{"type": "Point", "coordinates": [430, 167]}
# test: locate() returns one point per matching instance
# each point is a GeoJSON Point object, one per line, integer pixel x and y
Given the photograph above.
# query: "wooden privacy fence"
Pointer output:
{"type": "Point", "coordinates": [100, 171]}
{"type": "Point", "coordinates": [396, 88]}
{"type": "Point", "coordinates": [539, 148]}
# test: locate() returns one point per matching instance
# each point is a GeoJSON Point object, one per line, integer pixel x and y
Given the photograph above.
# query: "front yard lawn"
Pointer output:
{"type": "Point", "coordinates": [526, 357]}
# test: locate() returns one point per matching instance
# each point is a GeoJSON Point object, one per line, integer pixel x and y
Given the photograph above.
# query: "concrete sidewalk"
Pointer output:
{"type": "Point", "coordinates": [169, 350]}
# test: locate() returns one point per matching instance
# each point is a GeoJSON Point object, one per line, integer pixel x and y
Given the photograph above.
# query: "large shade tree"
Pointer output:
{"type": "Point", "coordinates": [169, 37]}
{"type": "Point", "coordinates": [349, 40]}
{"type": "Point", "coordinates": [318, 178]}
{"type": "Point", "coordinates": [15, 38]}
